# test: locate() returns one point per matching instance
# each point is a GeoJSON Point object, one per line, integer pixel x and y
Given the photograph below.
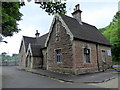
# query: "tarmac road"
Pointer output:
{"type": "Point", "coordinates": [14, 78]}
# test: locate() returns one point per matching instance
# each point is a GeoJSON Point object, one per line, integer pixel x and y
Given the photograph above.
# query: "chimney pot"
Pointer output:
{"type": "Point", "coordinates": [78, 7]}
{"type": "Point", "coordinates": [77, 13]}
{"type": "Point", "coordinates": [37, 34]}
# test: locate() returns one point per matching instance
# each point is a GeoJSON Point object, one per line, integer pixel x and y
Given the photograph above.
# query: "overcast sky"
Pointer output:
{"type": "Point", "coordinates": [95, 12]}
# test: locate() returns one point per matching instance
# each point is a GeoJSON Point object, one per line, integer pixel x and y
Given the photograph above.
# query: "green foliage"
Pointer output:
{"type": "Point", "coordinates": [116, 52]}
{"type": "Point", "coordinates": [53, 7]}
{"type": "Point", "coordinates": [5, 57]}
{"type": "Point", "coordinates": [10, 16]}
{"type": "Point", "coordinates": [112, 33]}
{"type": "Point", "coordinates": [102, 29]}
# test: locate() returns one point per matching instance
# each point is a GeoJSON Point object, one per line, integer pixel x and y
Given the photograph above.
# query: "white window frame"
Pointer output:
{"type": "Point", "coordinates": [104, 61]}
{"type": "Point", "coordinates": [60, 55]}
{"type": "Point", "coordinates": [109, 52]}
{"type": "Point", "coordinates": [84, 58]}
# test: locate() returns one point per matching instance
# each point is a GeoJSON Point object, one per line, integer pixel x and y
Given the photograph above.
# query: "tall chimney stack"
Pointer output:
{"type": "Point", "coordinates": [37, 34]}
{"type": "Point", "coordinates": [77, 13]}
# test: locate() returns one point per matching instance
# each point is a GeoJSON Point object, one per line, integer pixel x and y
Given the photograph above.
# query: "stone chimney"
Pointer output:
{"type": "Point", "coordinates": [37, 34]}
{"type": "Point", "coordinates": [77, 13]}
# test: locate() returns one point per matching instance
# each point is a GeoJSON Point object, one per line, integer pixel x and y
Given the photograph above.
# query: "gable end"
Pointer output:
{"type": "Point", "coordinates": [22, 44]}
{"type": "Point", "coordinates": [58, 17]}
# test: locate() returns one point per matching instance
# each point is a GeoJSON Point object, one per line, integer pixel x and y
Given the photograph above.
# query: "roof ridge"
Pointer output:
{"type": "Point", "coordinates": [28, 37]}
{"type": "Point", "coordinates": [35, 44]}
{"type": "Point", "coordinates": [89, 24]}
{"type": "Point", "coordinates": [70, 17]}
{"type": "Point", "coordinates": [82, 21]}
{"type": "Point", "coordinates": [43, 35]}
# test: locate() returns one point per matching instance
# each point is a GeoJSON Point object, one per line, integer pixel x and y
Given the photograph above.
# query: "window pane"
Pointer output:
{"type": "Point", "coordinates": [59, 59]}
{"type": "Point", "coordinates": [88, 58]}
{"type": "Point", "coordinates": [87, 55]}
{"type": "Point", "coordinates": [58, 51]}
{"type": "Point", "coordinates": [58, 55]}
{"type": "Point", "coordinates": [103, 56]}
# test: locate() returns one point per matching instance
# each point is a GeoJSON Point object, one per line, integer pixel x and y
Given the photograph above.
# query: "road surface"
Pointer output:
{"type": "Point", "coordinates": [14, 78]}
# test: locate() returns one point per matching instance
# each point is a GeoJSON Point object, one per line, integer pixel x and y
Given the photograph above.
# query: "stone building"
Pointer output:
{"type": "Point", "coordinates": [71, 46]}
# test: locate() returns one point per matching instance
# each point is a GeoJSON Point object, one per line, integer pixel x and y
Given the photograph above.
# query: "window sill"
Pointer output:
{"type": "Point", "coordinates": [59, 62]}
{"type": "Point", "coordinates": [87, 63]}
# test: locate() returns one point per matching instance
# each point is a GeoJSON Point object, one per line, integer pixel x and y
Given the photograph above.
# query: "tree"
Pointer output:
{"type": "Point", "coordinates": [7, 59]}
{"type": "Point", "coordinates": [10, 14]}
{"type": "Point", "coordinates": [102, 29]}
{"type": "Point", "coordinates": [112, 33]}
{"type": "Point", "coordinates": [4, 54]}
{"type": "Point", "coordinates": [53, 7]}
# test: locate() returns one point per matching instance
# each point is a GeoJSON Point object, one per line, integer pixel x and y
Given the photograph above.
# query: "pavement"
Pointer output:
{"type": "Point", "coordinates": [98, 77]}
{"type": "Point", "coordinates": [109, 84]}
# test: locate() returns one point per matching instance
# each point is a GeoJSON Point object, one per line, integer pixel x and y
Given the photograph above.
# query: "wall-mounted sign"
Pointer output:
{"type": "Point", "coordinates": [109, 52]}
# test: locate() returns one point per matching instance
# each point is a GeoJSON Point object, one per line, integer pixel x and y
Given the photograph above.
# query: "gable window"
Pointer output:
{"type": "Point", "coordinates": [57, 28]}
{"type": "Point", "coordinates": [57, 31]}
{"type": "Point", "coordinates": [58, 55]}
{"type": "Point", "coordinates": [87, 55]}
{"type": "Point", "coordinates": [103, 54]}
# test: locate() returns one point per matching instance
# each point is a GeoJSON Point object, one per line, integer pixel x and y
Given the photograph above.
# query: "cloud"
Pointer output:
{"type": "Point", "coordinates": [14, 42]}
{"type": "Point", "coordinates": [35, 17]}
{"type": "Point", "coordinates": [101, 17]}
{"type": "Point", "coordinates": [99, 14]}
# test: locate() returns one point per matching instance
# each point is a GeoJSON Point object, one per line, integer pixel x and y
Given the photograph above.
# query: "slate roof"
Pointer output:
{"type": "Point", "coordinates": [36, 44]}
{"type": "Point", "coordinates": [41, 40]}
{"type": "Point", "coordinates": [28, 40]}
{"type": "Point", "coordinates": [36, 50]}
{"type": "Point", "coordinates": [85, 31]}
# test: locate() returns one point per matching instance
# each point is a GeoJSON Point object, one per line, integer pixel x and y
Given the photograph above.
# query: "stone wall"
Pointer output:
{"type": "Point", "coordinates": [108, 63]}
{"type": "Point", "coordinates": [65, 45]}
{"type": "Point", "coordinates": [80, 66]}
{"type": "Point", "coordinates": [36, 62]}
{"type": "Point", "coordinates": [22, 53]}
{"type": "Point", "coordinates": [44, 51]}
